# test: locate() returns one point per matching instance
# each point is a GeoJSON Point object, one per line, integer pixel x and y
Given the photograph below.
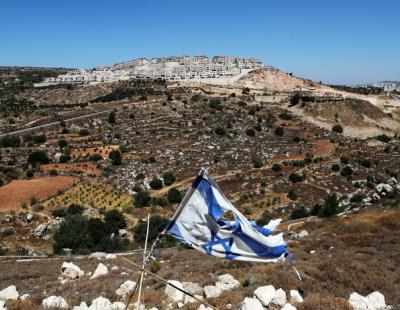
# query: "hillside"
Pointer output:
{"type": "Point", "coordinates": [272, 79]}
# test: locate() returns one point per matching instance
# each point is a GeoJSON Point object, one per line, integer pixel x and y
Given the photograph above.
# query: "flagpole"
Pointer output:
{"type": "Point", "coordinates": [143, 265]}
{"type": "Point", "coordinates": [166, 228]}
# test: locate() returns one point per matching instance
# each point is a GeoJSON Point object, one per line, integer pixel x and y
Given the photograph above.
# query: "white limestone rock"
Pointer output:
{"type": "Point", "coordinates": [71, 271]}
{"type": "Point", "coordinates": [384, 188]}
{"type": "Point", "coordinates": [100, 303]}
{"type": "Point", "coordinates": [376, 300]}
{"type": "Point", "coordinates": [9, 292]}
{"type": "Point", "coordinates": [54, 302]}
{"type": "Point", "coordinates": [358, 302]}
{"type": "Point", "coordinates": [227, 282]}
{"type": "Point", "coordinates": [251, 304]}
{"type": "Point", "coordinates": [101, 270]}
{"type": "Point", "coordinates": [279, 298]}
{"type": "Point", "coordinates": [288, 307]}
{"type": "Point", "coordinates": [192, 288]}
{"type": "Point", "coordinates": [125, 288]}
{"type": "Point", "coordinates": [172, 293]}
{"type": "Point", "coordinates": [25, 297]}
{"type": "Point", "coordinates": [188, 300]}
{"type": "Point", "coordinates": [98, 255]}
{"type": "Point", "coordinates": [265, 294]}
{"type": "Point", "coordinates": [111, 256]}
{"type": "Point", "coordinates": [117, 306]}
{"type": "Point", "coordinates": [211, 291]}
{"type": "Point", "coordinates": [303, 234]}
{"type": "Point", "coordinates": [2, 303]}
{"type": "Point", "coordinates": [202, 307]}
{"type": "Point", "coordinates": [82, 306]}
{"type": "Point", "coordinates": [295, 296]}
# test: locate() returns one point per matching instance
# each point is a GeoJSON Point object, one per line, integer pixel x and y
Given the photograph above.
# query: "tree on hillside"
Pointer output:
{"type": "Point", "coordinates": [115, 220]}
{"type": "Point", "coordinates": [38, 157]}
{"type": "Point", "coordinates": [142, 199]}
{"type": "Point", "coordinates": [174, 196]}
{"type": "Point", "coordinates": [111, 117]}
{"type": "Point", "coordinates": [116, 157]}
{"type": "Point", "coordinates": [157, 224]}
{"type": "Point", "coordinates": [168, 178]}
{"type": "Point", "coordinates": [331, 206]}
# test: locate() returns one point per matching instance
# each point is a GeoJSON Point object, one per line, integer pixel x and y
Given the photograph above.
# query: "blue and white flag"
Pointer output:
{"type": "Point", "coordinates": [198, 223]}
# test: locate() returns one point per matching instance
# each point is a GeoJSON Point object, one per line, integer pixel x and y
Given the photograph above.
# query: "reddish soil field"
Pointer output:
{"type": "Point", "coordinates": [84, 167]}
{"type": "Point", "coordinates": [17, 192]}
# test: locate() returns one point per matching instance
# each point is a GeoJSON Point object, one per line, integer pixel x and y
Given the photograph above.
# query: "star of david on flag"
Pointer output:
{"type": "Point", "coordinates": [198, 223]}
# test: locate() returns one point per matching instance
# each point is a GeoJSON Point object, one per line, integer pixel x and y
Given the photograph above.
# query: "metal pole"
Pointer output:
{"type": "Point", "coordinates": [144, 261]}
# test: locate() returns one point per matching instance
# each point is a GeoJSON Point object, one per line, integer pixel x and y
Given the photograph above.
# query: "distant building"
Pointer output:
{"type": "Point", "coordinates": [174, 68]}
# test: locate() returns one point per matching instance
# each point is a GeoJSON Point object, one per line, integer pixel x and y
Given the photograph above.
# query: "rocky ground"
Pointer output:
{"type": "Point", "coordinates": [339, 260]}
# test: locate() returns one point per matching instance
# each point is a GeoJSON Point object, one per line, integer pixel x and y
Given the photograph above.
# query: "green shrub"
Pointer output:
{"type": "Point", "coordinates": [337, 128]}
{"type": "Point", "coordinates": [250, 132]}
{"type": "Point", "coordinates": [357, 197]}
{"type": "Point", "coordinates": [366, 163]}
{"type": "Point", "coordinates": [279, 131]}
{"type": "Point", "coordinates": [84, 132]}
{"type": "Point", "coordinates": [299, 212]}
{"type": "Point", "coordinates": [285, 115]}
{"type": "Point", "coordinates": [277, 167]}
{"type": "Point", "coordinates": [95, 157]}
{"type": "Point", "coordinates": [346, 171]}
{"type": "Point", "coordinates": [74, 209]}
{"type": "Point", "coordinates": [142, 199]}
{"type": "Point", "coordinates": [344, 160]}
{"type": "Point", "coordinates": [383, 138]}
{"type": "Point", "coordinates": [156, 184]}
{"type": "Point", "coordinates": [38, 157]}
{"type": "Point", "coordinates": [157, 224]}
{"type": "Point", "coordinates": [59, 212]}
{"type": "Point", "coordinates": [174, 196]}
{"type": "Point", "coordinates": [115, 157]}
{"type": "Point", "coordinates": [115, 219]}
{"type": "Point", "coordinates": [220, 131]}
{"type": "Point", "coordinates": [168, 178]}
{"type": "Point", "coordinates": [331, 206]}
{"type": "Point", "coordinates": [292, 195]}
{"type": "Point", "coordinates": [64, 158]}
{"type": "Point", "coordinates": [111, 117]}
{"type": "Point", "coordinates": [296, 177]}
{"type": "Point", "coordinates": [264, 219]}
{"type": "Point", "coordinates": [335, 167]}
{"type": "Point", "coordinates": [257, 162]}
{"type": "Point", "coordinates": [53, 172]}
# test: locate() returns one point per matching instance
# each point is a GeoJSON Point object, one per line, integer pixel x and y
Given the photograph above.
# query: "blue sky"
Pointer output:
{"type": "Point", "coordinates": [335, 41]}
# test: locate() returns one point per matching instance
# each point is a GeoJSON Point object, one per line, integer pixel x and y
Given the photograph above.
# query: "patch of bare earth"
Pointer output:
{"type": "Point", "coordinates": [17, 192]}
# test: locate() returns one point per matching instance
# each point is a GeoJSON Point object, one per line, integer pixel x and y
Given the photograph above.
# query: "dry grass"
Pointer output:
{"type": "Point", "coordinates": [364, 258]}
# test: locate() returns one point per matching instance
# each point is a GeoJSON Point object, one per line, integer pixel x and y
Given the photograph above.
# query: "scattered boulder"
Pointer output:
{"type": "Point", "coordinates": [202, 307]}
{"type": "Point", "coordinates": [172, 293]}
{"type": "Point", "coordinates": [125, 234]}
{"type": "Point", "coordinates": [251, 304]}
{"type": "Point", "coordinates": [25, 297]}
{"type": "Point", "coordinates": [265, 294]}
{"type": "Point", "coordinates": [125, 289]}
{"type": "Point", "coordinates": [227, 282]}
{"type": "Point", "coordinates": [43, 229]}
{"type": "Point", "coordinates": [295, 296]}
{"type": "Point", "coordinates": [383, 188]}
{"type": "Point", "coordinates": [192, 288]}
{"type": "Point", "coordinates": [101, 270]}
{"type": "Point", "coordinates": [303, 234]}
{"type": "Point", "coordinates": [71, 271]}
{"type": "Point", "coordinates": [100, 303]}
{"type": "Point", "coordinates": [211, 291]}
{"type": "Point", "coordinates": [9, 292]}
{"type": "Point", "coordinates": [2, 303]}
{"type": "Point", "coordinates": [54, 302]}
{"type": "Point", "coordinates": [82, 306]}
{"type": "Point", "coordinates": [288, 307]}
{"type": "Point", "coordinates": [117, 306]}
{"type": "Point", "coordinates": [376, 300]}
{"type": "Point", "coordinates": [98, 255]}
{"type": "Point", "coordinates": [392, 181]}
{"type": "Point", "coordinates": [279, 298]}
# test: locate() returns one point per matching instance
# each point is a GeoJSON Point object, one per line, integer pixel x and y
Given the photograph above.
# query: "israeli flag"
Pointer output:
{"type": "Point", "coordinates": [199, 223]}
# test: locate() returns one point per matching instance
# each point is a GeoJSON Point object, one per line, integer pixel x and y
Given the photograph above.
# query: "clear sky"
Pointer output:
{"type": "Point", "coordinates": [336, 41]}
